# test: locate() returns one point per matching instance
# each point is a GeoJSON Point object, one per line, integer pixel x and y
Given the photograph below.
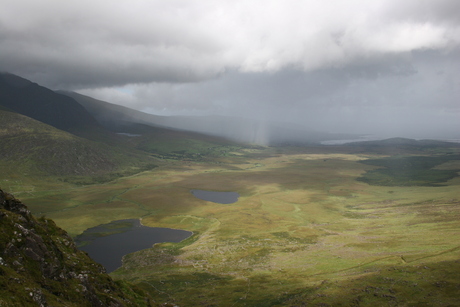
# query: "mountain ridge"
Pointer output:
{"type": "Point", "coordinates": [25, 97]}
{"type": "Point", "coordinates": [232, 128]}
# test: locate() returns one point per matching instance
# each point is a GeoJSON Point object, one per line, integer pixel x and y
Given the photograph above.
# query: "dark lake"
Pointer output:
{"type": "Point", "coordinates": [108, 243]}
{"type": "Point", "coordinates": [216, 197]}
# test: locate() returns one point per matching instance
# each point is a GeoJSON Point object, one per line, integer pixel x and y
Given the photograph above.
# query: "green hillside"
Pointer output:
{"type": "Point", "coordinates": [32, 149]}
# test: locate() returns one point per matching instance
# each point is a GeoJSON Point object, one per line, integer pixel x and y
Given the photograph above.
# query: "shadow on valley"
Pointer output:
{"type": "Point", "coordinates": [409, 171]}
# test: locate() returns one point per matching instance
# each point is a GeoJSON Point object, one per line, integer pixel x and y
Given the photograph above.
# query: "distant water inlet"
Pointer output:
{"type": "Point", "coordinates": [108, 243]}
{"type": "Point", "coordinates": [216, 197]}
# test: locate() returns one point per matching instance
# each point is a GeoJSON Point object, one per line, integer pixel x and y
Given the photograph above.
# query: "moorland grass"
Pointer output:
{"type": "Point", "coordinates": [304, 230]}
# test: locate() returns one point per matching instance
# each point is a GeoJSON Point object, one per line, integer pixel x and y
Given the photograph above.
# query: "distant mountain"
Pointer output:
{"type": "Point", "coordinates": [40, 265]}
{"type": "Point", "coordinates": [163, 136]}
{"type": "Point", "coordinates": [236, 129]}
{"type": "Point", "coordinates": [90, 118]}
{"type": "Point", "coordinates": [404, 142]}
{"type": "Point", "coordinates": [112, 116]}
{"type": "Point", "coordinates": [403, 146]}
{"type": "Point", "coordinates": [47, 133]}
{"type": "Point", "coordinates": [40, 103]}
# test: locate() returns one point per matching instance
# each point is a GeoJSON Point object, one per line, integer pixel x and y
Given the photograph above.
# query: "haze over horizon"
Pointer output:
{"type": "Point", "coordinates": [380, 67]}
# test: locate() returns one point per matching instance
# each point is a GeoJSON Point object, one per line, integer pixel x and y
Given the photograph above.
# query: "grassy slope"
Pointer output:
{"type": "Point", "coordinates": [31, 150]}
{"type": "Point", "coordinates": [303, 232]}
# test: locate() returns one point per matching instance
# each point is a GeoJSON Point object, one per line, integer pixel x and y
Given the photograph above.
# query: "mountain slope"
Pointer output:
{"type": "Point", "coordinates": [114, 116]}
{"type": "Point", "coordinates": [161, 136]}
{"type": "Point", "coordinates": [42, 104]}
{"type": "Point", "coordinates": [41, 266]}
{"type": "Point", "coordinates": [236, 129]}
{"type": "Point", "coordinates": [51, 150]}
{"type": "Point", "coordinates": [35, 148]}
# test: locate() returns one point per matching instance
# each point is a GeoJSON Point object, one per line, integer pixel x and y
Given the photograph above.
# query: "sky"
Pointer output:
{"type": "Point", "coordinates": [386, 67]}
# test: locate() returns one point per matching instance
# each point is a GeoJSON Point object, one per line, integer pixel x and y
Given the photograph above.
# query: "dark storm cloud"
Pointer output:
{"type": "Point", "coordinates": [416, 98]}
{"type": "Point", "coordinates": [80, 44]}
{"type": "Point", "coordinates": [332, 64]}
{"type": "Point", "coordinates": [83, 44]}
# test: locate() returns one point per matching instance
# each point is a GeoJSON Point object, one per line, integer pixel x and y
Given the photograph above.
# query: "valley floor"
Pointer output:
{"type": "Point", "coordinates": [304, 232]}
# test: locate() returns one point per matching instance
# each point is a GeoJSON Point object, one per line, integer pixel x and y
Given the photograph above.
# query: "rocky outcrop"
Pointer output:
{"type": "Point", "coordinates": [41, 266]}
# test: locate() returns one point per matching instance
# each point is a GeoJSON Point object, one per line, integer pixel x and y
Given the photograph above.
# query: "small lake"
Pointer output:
{"type": "Point", "coordinates": [108, 243]}
{"type": "Point", "coordinates": [216, 197]}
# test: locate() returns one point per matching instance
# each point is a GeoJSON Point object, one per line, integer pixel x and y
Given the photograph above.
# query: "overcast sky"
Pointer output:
{"type": "Point", "coordinates": [383, 66]}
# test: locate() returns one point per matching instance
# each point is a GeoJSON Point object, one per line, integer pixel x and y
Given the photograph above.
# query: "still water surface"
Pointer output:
{"type": "Point", "coordinates": [216, 197]}
{"type": "Point", "coordinates": [123, 237]}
